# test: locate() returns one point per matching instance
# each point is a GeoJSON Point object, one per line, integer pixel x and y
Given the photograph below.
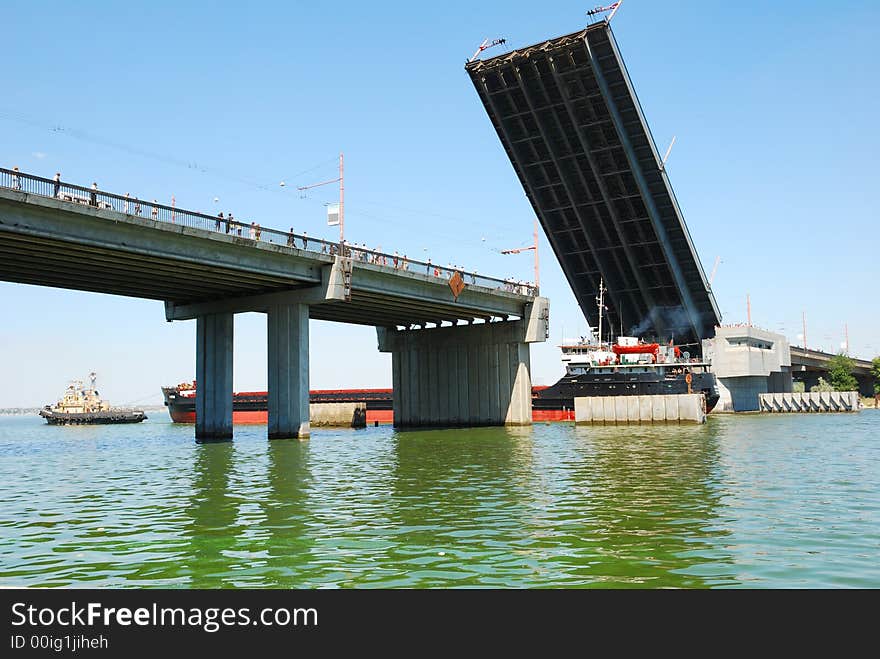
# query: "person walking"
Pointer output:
{"type": "Point", "coordinates": [93, 196]}
{"type": "Point", "coordinates": [396, 260]}
{"type": "Point", "coordinates": [428, 267]}
{"type": "Point", "coordinates": [257, 231]}
{"type": "Point", "coordinates": [305, 240]}
{"type": "Point", "coordinates": [126, 206]}
{"type": "Point", "coordinates": [253, 231]}
{"type": "Point", "coordinates": [16, 183]}
{"type": "Point", "coordinates": [155, 211]}
{"type": "Point", "coordinates": [218, 221]}
{"type": "Point", "coordinates": [229, 223]}
{"type": "Point", "coordinates": [290, 238]}
{"type": "Point", "coordinates": [57, 184]}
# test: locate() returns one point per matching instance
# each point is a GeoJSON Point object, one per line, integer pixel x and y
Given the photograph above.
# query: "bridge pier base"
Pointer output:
{"type": "Point", "coordinates": [214, 377]}
{"type": "Point", "coordinates": [460, 376]}
{"type": "Point", "coordinates": [288, 334]}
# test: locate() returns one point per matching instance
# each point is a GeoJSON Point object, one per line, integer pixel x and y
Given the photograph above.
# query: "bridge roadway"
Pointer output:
{"type": "Point", "coordinates": [208, 269]}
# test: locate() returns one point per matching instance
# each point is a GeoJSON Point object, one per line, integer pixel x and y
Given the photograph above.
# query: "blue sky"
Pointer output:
{"type": "Point", "coordinates": [774, 105]}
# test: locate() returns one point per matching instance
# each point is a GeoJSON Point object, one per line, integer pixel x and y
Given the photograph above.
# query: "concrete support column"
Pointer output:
{"type": "Point", "coordinates": [519, 410]}
{"type": "Point", "coordinates": [214, 377]}
{"type": "Point", "coordinates": [288, 330]}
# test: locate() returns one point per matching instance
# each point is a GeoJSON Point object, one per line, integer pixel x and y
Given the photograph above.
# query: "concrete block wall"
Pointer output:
{"type": "Point", "coordinates": [672, 408]}
{"type": "Point", "coordinates": [344, 415]}
{"type": "Point", "coordinates": [825, 401]}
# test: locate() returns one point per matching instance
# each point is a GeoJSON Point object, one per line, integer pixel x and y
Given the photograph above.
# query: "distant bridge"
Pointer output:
{"type": "Point", "coordinates": [808, 366]}
{"type": "Point", "coordinates": [441, 326]}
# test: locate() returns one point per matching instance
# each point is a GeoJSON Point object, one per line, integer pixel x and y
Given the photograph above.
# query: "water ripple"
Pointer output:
{"type": "Point", "coordinates": [756, 501]}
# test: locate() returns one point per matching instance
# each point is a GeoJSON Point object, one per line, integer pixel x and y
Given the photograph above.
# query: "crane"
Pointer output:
{"type": "Point", "coordinates": [519, 250]}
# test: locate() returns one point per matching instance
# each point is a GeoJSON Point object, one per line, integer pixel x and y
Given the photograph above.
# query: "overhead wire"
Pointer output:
{"type": "Point", "coordinates": [194, 165]}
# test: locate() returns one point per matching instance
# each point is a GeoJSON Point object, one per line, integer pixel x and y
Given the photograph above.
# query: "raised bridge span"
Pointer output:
{"type": "Point", "coordinates": [459, 340]}
{"type": "Point", "coordinates": [569, 119]}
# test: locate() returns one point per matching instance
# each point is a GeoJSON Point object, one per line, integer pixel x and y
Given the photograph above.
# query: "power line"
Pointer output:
{"type": "Point", "coordinates": [194, 165]}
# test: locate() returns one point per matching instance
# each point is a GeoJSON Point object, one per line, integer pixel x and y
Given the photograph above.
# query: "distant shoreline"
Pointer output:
{"type": "Point", "coordinates": [26, 411]}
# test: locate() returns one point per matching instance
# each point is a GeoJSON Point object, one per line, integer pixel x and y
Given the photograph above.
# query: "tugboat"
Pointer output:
{"type": "Point", "coordinates": [80, 406]}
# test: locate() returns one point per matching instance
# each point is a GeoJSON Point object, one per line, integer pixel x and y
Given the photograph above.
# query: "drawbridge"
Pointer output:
{"type": "Point", "coordinates": [568, 117]}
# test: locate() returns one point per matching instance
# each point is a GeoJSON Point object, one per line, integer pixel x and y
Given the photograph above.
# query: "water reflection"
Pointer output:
{"type": "Point", "coordinates": [212, 516]}
{"type": "Point", "coordinates": [458, 503]}
{"type": "Point", "coordinates": [286, 514]}
{"type": "Point", "coordinates": [654, 500]}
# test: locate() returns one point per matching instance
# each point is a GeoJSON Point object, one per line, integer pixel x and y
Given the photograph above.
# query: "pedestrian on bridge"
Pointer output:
{"type": "Point", "coordinates": [155, 211]}
{"type": "Point", "coordinates": [257, 231]}
{"type": "Point", "coordinates": [305, 241]}
{"type": "Point", "coordinates": [93, 196]}
{"type": "Point", "coordinates": [218, 221]}
{"type": "Point", "coordinates": [253, 231]}
{"type": "Point", "coordinates": [57, 185]}
{"type": "Point", "coordinates": [229, 221]}
{"type": "Point", "coordinates": [125, 206]}
{"type": "Point", "coordinates": [290, 238]}
{"type": "Point", "coordinates": [16, 183]}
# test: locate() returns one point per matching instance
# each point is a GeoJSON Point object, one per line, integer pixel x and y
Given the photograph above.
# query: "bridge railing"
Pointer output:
{"type": "Point", "coordinates": [153, 210]}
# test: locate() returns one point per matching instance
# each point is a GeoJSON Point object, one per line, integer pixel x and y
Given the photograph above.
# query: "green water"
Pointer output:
{"type": "Point", "coordinates": [759, 501]}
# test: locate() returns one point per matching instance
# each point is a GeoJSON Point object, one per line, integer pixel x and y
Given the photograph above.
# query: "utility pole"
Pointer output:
{"type": "Point", "coordinates": [534, 246]}
{"type": "Point", "coordinates": [804, 319]}
{"type": "Point", "coordinates": [714, 270]}
{"type": "Point", "coordinates": [341, 215]}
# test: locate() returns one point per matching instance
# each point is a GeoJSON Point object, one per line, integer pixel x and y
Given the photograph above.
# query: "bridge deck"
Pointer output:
{"type": "Point", "coordinates": [571, 124]}
{"type": "Point", "coordinates": [124, 246]}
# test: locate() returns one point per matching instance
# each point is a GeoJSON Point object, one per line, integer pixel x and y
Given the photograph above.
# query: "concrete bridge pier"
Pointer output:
{"type": "Point", "coordinates": [459, 376]}
{"type": "Point", "coordinates": [288, 330]}
{"type": "Point", "coordinates": [214, 377]}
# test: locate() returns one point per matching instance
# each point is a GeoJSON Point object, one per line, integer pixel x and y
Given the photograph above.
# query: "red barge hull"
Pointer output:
{"type": "Point", "coordinates": [251, 407]}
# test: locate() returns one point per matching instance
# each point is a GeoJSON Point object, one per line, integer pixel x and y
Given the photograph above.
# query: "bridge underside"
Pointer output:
{"type": "Point", "coordinates": [808, 366]}
{"type": "Point", "coordinates": [570, 122]}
